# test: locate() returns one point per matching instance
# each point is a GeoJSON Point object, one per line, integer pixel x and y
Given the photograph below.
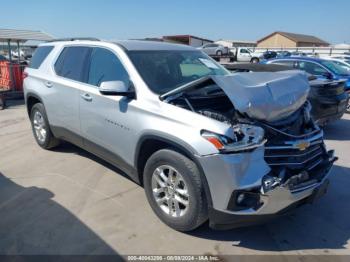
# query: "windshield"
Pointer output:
{"type": "Point", "coordinates": [336, 69]}
{"type": "Point", "coordinates": [164, 71]}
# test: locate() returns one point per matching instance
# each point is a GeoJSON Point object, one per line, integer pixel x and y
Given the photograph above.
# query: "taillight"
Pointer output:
{"type": "Point", "coordinates": [24, 75]}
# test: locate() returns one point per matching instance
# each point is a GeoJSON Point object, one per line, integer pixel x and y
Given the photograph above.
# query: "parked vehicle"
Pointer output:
{"type": "Point", "coordinates": [343, 63]}
{"type": "Point", "coordinates": [214, 49]}
{"type": "Point", "coordinates": [16, 53]}
{"type": "Point", "coordinates": [242, 54]}
{"type": "Point", "coordinates": [321, 68]}
{"type": "Point", "coordinates": [3, 58]}
{"type": "Point", "coordinates": [203, 142]}
{"type": "Point", "coordinates": [328, 97]}
{"type": "Point", "coordinates": [298, 53]}
{"type": "Point", "coordinates": [269, 54]}
{"type": "Point", "coordinates": [342, 57]}
{"type": "Point", "coordinates": [283, 54]}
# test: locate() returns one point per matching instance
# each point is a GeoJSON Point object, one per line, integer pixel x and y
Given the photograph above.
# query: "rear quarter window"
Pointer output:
{"type": "Point", "coordinates": [39, 56]}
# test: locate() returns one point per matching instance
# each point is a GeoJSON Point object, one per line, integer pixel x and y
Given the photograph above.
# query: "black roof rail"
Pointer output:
{"type": "Point", "coordinates": [74, 39]}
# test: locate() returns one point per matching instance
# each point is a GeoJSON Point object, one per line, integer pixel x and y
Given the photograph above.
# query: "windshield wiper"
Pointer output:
{"type": "Point", "coordinates": [196, 84]}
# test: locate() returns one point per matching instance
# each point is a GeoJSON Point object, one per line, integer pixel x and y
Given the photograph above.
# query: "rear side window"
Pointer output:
{"type": "Point", "coordinates": [285, 63]}
{"type": "Point", "coordinates": [71, 62]}
{"type": "Point", "coordinates": [105, 66]}
{"type": "Point", "coordinates": [39, 56]}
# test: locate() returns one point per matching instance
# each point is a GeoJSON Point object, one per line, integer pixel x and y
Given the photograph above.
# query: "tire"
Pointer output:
{"type": "Point", "coordinates": [254, 60]}
{"type": "Point", "coordinates": [187, 179]}
{"type": "Point", "coordinates": [348, 107]}
{"type": "Point", "coordinates": [219, 53]}
{"type": "Point", "coordinates": [41, 128]}
{"type": "Point", "coordinates": [2, 102]}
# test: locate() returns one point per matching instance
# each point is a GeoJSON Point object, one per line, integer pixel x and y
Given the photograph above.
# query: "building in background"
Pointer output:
{"type": "Point", "coordinates": [289, 40]}
{"type": "Point", "coordinates": [190, 40]}
{"type": "Point", "coordinates": [236, 43]}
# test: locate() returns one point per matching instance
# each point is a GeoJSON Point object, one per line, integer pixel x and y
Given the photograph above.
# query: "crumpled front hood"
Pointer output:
{"type": "Point", "coordinates": [268, 96]}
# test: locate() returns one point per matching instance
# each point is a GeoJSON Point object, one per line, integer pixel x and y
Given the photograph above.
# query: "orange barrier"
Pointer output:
{"type": "Point", "coordinates": [5, 79]}
{"type": "Point", "coordinates": [6, 83]}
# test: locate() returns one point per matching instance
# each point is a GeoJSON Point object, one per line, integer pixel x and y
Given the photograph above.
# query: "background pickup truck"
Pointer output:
{"type": "Point", "coordinates": [242, 54]}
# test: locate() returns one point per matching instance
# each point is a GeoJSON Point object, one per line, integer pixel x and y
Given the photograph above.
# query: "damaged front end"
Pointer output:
{"type": "Point", "coordinates": [270, 118]}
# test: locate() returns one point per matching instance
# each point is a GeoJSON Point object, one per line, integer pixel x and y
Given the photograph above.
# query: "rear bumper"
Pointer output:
{"type": "Point", "coordinates": [274, 203]}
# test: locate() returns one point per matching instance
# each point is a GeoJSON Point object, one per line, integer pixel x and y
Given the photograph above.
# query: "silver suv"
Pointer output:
{"type": "Point", "coordinates": [205, 144]}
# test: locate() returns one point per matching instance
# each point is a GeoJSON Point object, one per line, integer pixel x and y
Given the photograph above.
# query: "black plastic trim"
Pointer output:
{"type": "Point", "coordinates": [222, 221]}
{"type": "Point", "coordinates": [101, 152]}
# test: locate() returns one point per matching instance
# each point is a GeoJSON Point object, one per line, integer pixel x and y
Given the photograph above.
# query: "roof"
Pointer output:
{"type": "Point", "coordinates": [298, 38]}
{"type": "Point", "coordinates": [237, 41]}
{"type": "Point", "coordinates": [185, 36]}
{"type": "Point", "coordinates": [298, 58]}
{"type": "Point", "coordinates": [139, 45]}
{"type": "Point", "coordinates": [23, 35]}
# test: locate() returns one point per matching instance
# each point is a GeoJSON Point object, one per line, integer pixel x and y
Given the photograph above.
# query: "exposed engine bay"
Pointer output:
{"type": "Point", "coordinates": [264, 108]}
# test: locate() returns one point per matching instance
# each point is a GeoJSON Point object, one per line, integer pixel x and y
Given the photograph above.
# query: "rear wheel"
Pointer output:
{"type": "Point", "coordinates": [174, 190]}
{"type": "Point", "coordinates": [41, 128]}
{"type": "Point", "coordinates": [254, 60]}
{"type": "Point", "coordinates": [348, 107]}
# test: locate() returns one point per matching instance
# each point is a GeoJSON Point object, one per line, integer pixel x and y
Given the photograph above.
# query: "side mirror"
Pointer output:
{"type": "Point", "coordinates": [328, 75]}
{"type": "Point", "coordinates": [116, 88]}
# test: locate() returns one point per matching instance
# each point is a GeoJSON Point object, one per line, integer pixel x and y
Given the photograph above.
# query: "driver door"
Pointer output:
{"type": "Point", "coordinates": [105, 119]}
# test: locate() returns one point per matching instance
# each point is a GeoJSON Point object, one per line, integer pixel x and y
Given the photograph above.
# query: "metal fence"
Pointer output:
{"type": "Point", "coordinates": [320, 51]}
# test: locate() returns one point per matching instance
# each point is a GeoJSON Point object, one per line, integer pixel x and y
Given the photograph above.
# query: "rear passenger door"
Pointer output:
{"type": "Point", "coordinates": [106, 120]}
{"type": "Point", "coordinates": [62, 101]}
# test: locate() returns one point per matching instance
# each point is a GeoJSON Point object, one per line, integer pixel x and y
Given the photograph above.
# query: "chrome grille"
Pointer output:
{"type": "Point", "coordinates": [294, 158]}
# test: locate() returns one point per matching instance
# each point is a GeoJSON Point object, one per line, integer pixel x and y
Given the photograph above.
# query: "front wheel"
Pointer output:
{"type": "Point", "coordinates": [348, 107]}
{"type": "Point", "coordinates": [174, 190]}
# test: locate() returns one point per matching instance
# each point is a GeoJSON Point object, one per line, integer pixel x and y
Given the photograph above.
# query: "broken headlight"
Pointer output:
{"type": "Point", "coordinates": [243, 137]}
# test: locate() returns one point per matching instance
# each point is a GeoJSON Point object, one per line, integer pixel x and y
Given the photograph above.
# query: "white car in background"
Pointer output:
{"type": "Point", "coordinates": [214, 49]}
{"type": "Point", "coordinates": [341, 57]}
{"type": "Point", "coordinates": [343, 63]}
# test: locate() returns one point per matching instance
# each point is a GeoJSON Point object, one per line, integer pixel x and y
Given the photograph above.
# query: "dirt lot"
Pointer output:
{"type": "Point", "coordinates": [67, 201]}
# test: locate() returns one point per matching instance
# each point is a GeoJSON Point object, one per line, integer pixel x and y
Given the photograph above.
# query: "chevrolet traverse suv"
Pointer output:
{"type": "Point", "coordinates": [205, 144]}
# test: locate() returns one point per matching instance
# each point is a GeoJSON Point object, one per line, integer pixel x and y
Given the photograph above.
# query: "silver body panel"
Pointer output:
{"type": "Point", "coordinates": [118, 124]}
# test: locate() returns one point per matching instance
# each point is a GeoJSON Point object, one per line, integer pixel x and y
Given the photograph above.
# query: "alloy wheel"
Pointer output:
{"type": "Point", "coordinates": [170, 191]}
{"type": "Point", "coordinates": [39, 127]}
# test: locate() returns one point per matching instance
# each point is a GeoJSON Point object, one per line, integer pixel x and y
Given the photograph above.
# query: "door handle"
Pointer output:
{"type": "Point", "coordinates": [48, 84]}
{"type": "Point", "coordinates": [86, 97]}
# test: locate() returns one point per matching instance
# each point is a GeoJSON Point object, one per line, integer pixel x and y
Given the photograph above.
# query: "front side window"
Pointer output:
{"type": "Point", "coordinates": [244, 51]}
{"type": "Point", "coordinates": [312, 68]}
{"type": "Point", "coordinates": [105, 66]}
{"type": "Point", "coordinates": [336, 69]}
{"type": "Point", "coordinates": [71, 62]}
{"type": "Point", "coordinates": [166, 70]}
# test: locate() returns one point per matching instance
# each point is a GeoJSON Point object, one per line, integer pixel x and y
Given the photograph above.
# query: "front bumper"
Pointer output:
{"type": "Point", "coordinates": [221, 220]}
{"type": "Point", "coordinates": [228, 179]}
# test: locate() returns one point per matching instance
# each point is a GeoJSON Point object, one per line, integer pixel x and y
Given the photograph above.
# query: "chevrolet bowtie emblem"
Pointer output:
{"type": "Point", "coordinates": [302, 145]}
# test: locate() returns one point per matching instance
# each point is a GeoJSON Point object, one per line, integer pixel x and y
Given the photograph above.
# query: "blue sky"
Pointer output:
{"type": "Point", "coordinates": [221, 19]}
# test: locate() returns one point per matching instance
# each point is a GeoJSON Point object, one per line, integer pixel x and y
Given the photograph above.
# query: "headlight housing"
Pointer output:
{"type": "Point", "coordinates": [244, 137]}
